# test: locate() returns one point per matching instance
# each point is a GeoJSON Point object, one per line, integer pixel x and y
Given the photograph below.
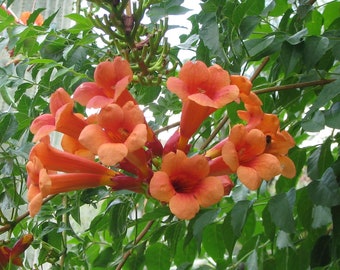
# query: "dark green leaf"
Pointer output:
{"type": "Point", "coordinates": [210, 35]}
{"type": "Point", "coordinates": [103, 258]}
{"type": "Point", "coordinates": [8, 126]}
{"type": "Point", "coordinates": [315, 123]}
{"type": "Point", "coordinates": [321, 253]}
{"type": "Point", "coordinates": [212, 243]}
{"type": "Point", "coordinates": [157, 257]}
{"type": "Point", "coordinates": [248, 24]}
{"type": "Point", "coordinates": [304, 208]}
{"type": "Point", "coordinates": [147, 94]}
{"type": "Point", "coordinates": [202, 220]}
{"type": "Point", "coordinates": [281, 212]}
{"type": "Point", "coordinates": [326, 191]}
{"type": "Point", "coordinates": [290, 56]}
{"type": "Point", "coordinates": [239, 215]}
{"type": "Point", "coordinates": [314, 49]}
{"type": "Point", "coordinates": [332, 116]}
{"type": "Point", "coordinates": [328, 92]}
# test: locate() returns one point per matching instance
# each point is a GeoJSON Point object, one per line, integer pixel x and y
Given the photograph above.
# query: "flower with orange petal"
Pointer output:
{"type": "Point", "coordinates": [60, 119]}
{"type": "Point", "coordinates": [110, 85]}
{"type": "Point", "coordinates": [202, 90]}
{"type": "Point", "coordinates": [244, 154]}
{"type": "Point", "coordinates": [185, 184]}
{"type": "Point", "coordinates": [278, 145]}
{"type": "Point", "coordinates": [120, 133]}
{"type": "Point", "coordinates": [79, 173]}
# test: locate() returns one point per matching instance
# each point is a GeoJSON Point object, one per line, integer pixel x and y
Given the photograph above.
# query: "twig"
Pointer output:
{"type": "Point", "coordinates": [214, 133]}
{"type": "Point", "coordinates": [137, 240]}
{"type": "Point", "coordinates": [166, 128]}
{"type": "Point", "coordinates": [292, 86]}
{"type": "Point", "coordinates": [259, 69]}
{"type": "Point", "coordinates": [13, 223]}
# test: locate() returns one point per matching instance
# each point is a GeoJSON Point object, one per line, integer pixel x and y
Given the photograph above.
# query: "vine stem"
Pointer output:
{"type": "Point", "coordinates": [166, 128]}
{"type": "Point", "coordinates": [13, 223]}
{"type": "Point", "coordinates": [293, 85]}
{"type": "Point", "coordinates": [137, 240]}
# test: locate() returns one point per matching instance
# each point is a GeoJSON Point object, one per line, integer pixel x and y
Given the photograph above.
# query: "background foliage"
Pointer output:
{"type": "Point", "coordinates": [287, 224]}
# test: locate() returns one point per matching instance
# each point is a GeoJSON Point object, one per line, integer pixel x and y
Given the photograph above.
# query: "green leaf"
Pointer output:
{"type": "Point", "coordinates": [331, 13]}
{"type": "Point", "coordinates": [239, 215]}
{"type": "Point", "coordinates": [268, 224]}
{"type": "Point", "coordinates": [212, 243]}
{"type": "Point", "coordinates": [147, 94]}
{"type": "Point", "coordinates": [280, 7]}
{"type": "Point", "coordinates": [210, 35]}
{"type": "Point", "coordinates": [315, 123]}
{"type": "Point", "coordinates": [320, 160]}
{"type": "Point", "coordinates": [314, 23]}
{"type": "Point", "coordinates": [321, 216]}
{"type": "Point", "coordinates": [8, 126]}
{"type": "Point", "coordinates": [321, 253]}
{"type": "Point", "coordinates": [297, 37]}
{"type": "Point", "coordinates": [332, 116]}
{"type": "Point", "coordinates": [314, 48]}
{"type": "Point", "coordinates": [290, 57]}
{"type": "Point", "coordinates": [173, 233]}
{"type": "Point", "coordinates": [229, 237]}
{"type": "Point", "coordinates": [327, 94]}
{"type": "Point", "coordinates": [281, 211]}
{"type": "Point", "coordinates": [119, 215]}
{"type": "Point", "coordinates": [102, 259]}
{"type": "Point", "coordinates": [304, 208]}
{"type": "Point", "coordinates": [157, 257]}
{"type": "Point", "coordinates": [325, 191]}
{"type": "Point", "coordinates": [248, 24]}
{"type": "Point", "coordinates": [203, 219]}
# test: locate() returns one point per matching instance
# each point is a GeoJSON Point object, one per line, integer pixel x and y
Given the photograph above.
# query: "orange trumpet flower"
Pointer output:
{"type": "Point", "coordinates": [244, 154]}
{"type": "Point", "coordinates": [110, 85]}
{"type": "Point", "coordinates": [202, 90]}
{"type": "Point", "coordinates": [185, 184]}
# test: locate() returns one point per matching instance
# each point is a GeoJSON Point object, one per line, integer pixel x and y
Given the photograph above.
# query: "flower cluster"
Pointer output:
{"type": "Point", "coordinates": [116, 147]}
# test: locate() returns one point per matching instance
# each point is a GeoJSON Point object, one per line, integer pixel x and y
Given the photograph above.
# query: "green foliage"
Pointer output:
{"type": "Point", "coordinates": [287, 224]}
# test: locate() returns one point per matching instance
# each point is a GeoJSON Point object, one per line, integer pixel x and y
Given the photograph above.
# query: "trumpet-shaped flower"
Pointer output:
{"type": "Point", "coordinates": [202, 90]}
{"type": "Point", "coordinates": [110, 85]}
{"type": "Point", "coordinates": [244, 154]}
{"type": "Point", "coordinates": [120, 133]}
{"type": "Point", "coordinates": [78, 173]}
{"type": "Point", "coordinates": [185, 184]}
{"type": "Point", "coordinates": [60, 119]}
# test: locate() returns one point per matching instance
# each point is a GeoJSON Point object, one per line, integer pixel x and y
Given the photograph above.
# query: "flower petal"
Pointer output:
{"type": "Point", "coordinates": [249, 177]}
{"type": "Point", "coordinates": [112, 153]}
{"type": "Point", "coordinates": [288, 166]}
{"type": "Point", "coordinates": [184, 206]}
{"type": "Point", "coordinates": [137, 138]}
{"type": "Point", "coordinates": [161, 187]}
{"type": "Point", "coordinates": [209, 191]}
{"type": "Point", "coordinates": [230, 155]}
{"type": "Point", "coordinates": [92, 137]}
{"type": "Point", "coordinates": [266, 165]}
